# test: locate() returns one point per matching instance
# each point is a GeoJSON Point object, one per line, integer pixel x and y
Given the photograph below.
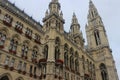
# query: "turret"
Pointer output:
{"type": "Point", "coordinates": [53, 17]}
{"type": "Point", "coordinates": [75, 32]}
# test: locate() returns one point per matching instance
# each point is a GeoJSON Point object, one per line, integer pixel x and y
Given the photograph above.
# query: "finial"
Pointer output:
{"type": "Point", "coordinates": [74, 19]}
{"type": "Point", "coordinates": [61, 14]}
{"type": "Point", "coordinates": [54, 0]}
{"type": "Point", "coordinates": [74, 15]}
{"type": "Point", "coordinates": [46, 14]}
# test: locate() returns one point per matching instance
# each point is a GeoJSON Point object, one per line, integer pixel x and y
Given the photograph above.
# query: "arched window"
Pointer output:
{"type": "Point", "coordinates": [57, 53]}
{"type": "Point", "coordinates": [71, 62]}
{"type": "Point", "coordinates": [45, 53]}
{"type": "Point", "coordinates": [66, 55]}
{"type": "Point", "coordinates": [76, 65]}
{"type": "Point", "coordinates": [57, 48]}
{"type": "Point", "coordinates": [24, 50]}
{"type": "Point", "coordinates": [34, 54]}
{"type": "Point", "coordinates": [13, 45]}
{"type": "Point", "coordinates": [71, 51]}
{"type": "Point", "coordinates": [2, 39]}
{"type": "Point", "coordinates": [4, 78]}
{"type": "Point", "coordinates": [103, 70]}
{"type": "Point", "coordinates": [97, 37]}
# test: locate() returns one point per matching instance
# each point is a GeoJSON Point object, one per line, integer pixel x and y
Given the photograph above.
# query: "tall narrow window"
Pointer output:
{"type": "Point", "coordinates": [34, 70]}
{"type": "Point", "coordinates": [31, 69]}
{"type": "Point", "coordinates": [57, 48]}
{"type": "Point", "coordinates": [65, 58]}
{"type": "Point", "coordinates": [66, 55]}
{"type": "Point", "coordinates": [71, 64]}
{"type": "Point", "coordinates": [24, 67]}
{"type": "Point", "coordinates": [97, 37]}
{"type": "Point", "coordinates": [12, 62]}
{"type": "Point", "coordinates": [34, 54]}
{"type": "Point", "coordinates": [20, 65]}
{"type": "Point", "coordinates": [24, 50]}
{"type": "Point", "coordinates": [76, 65]}
{"type": "Point", "coordinates": [57, 53]}
{"type": "Point", "coordinates": [2, 39]}
{"type": "Point", "coordinates": [45, 53]}
{"type": "Point", "coordinates": [13, 45]}
{"type": "Point", "coordinates": [104, 74]}
{"type": "Point", "coordinates": [7, 60]}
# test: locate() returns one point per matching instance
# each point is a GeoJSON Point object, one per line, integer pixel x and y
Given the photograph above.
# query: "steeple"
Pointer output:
{"type": "Point", "coordinates": [96, 34]}
{"type": "Point", "coordinates": [75, 32]}
{"type": "Point", "coordinates": [93, 13]}
{"type": "Point", "coordinates": [75, 26]}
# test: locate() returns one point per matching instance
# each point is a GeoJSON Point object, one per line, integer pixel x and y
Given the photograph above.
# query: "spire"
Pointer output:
{"type": "Point", "coordinates": [75, 27]}
{"type": "Point", "coordinates": [74, 19]}
{"type": "Point", "coordinates": [54, 6]}
{"type": "Point", "coordinates": [93, 13]}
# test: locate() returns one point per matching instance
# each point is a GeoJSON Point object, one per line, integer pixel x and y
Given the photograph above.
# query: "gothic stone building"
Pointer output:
{"type": "Point", "coordinates": [31, 51]}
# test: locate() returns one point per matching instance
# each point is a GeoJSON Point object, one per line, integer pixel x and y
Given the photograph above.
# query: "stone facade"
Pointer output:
{"type": "Point", "coordinates": [31, 51]}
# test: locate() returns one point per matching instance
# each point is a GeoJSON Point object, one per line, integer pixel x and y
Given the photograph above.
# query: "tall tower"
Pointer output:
{"type": "Point", "coordinates": [98, 46]}
{"type": "Point", "coordinates": [75, 32]}
{"type": "Point", "coordinates": [54, 17]}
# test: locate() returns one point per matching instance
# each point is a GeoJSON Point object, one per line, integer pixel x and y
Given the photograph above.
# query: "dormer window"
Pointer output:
{"type": "Point", "coordinates": [7, 20]}
{"type": "Point", "coordinates": [18, 27]}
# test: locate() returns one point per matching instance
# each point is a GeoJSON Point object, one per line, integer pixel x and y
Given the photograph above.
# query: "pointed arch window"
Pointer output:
{"type": "Point", "coordinates": [4, 78]}
{"type": "Point", "coordinates": [2, 39]}
{"type": "Point", "coordinates": [72, 62]}
{"type": "Point", "coordinates": [103, 70]}
{"type": "Point", "coordinates": [66, 59]}
{"type": "Point", "coordinates": [34, 54]}
{"type": "Point", "coordinates": [66, 49]}
{"type": "Point", "coordinates": [83, 62]}
{"type": "Point", "coordinates": [45, 53]}
{"type": "Point", "coordinates": [76, 65]}
{"type": "Point", "coordinates": [24, 50]}
{"type": "Point", "coordinates": [13, 45]}
{"type": "Point", "coordinates": [57, 48]}
{"type": "Point", "coordinates": [97, 37]}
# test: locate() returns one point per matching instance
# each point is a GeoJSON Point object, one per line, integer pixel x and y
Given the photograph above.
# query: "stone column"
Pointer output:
{"type": "Point", "coordinates": [50, 67]}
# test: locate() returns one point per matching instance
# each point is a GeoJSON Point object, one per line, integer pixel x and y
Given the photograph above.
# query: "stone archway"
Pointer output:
{"type": "Point", "coordinates": [4, 78]}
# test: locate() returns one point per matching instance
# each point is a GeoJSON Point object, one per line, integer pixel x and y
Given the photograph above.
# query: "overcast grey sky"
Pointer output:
{"type": "Point", "coordinates": [108, 10]}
